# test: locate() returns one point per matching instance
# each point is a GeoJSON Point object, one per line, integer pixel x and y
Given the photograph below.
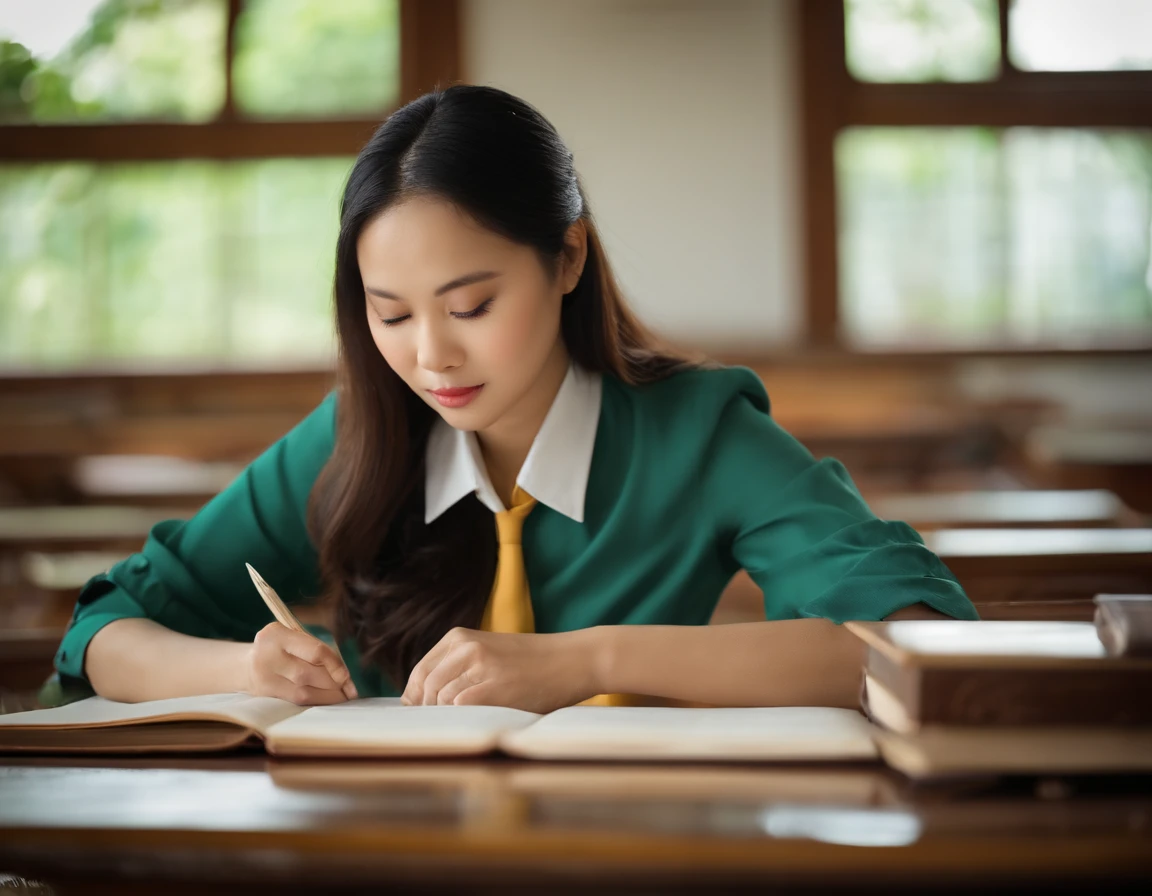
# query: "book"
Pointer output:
{"type": "Point", "coordinates": [383, 727]}
{"type": "Point", "coordinates": [849, 783]}
{"type": "Point", "coordinates": [1124, 623]}
{"type": "Point", "coordinates": [945, 751]}
{"type": "Point", "coordinates": [1017, 674]}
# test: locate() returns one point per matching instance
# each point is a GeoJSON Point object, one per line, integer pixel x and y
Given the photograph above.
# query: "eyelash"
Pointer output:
{"type": "Point", "coordinates": [479, 311]}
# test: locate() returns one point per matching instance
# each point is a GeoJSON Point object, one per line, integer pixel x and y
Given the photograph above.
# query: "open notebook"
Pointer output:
{"type": "Point", "coordinates": [380, 727]}
{"type": "Point", "coordinates": [383, 727]}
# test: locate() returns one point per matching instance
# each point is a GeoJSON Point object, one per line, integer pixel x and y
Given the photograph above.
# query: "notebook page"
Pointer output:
{"type": "Point", "coordinates": [256, 713]}
{"type": "Point", "coordinates": [383, 726]}
{"type": "Point", "coordinates": [673, 732]}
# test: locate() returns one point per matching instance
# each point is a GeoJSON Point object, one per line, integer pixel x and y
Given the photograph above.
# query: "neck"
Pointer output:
{"type": "Point", "coordinates": [506, 443]}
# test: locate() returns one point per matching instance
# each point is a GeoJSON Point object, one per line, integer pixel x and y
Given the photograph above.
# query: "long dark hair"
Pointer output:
{"type": "Point", "coordinates": [395, 583]}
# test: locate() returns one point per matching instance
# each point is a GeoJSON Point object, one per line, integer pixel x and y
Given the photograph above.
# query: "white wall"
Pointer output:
{"type": "Point", "coordinates": [681, 115]}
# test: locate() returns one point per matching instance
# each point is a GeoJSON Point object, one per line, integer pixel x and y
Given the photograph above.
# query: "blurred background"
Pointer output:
{"type": "Point", "coordinates": [926, 223]}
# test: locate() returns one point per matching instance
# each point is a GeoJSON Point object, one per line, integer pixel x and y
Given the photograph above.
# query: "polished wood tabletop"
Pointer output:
{"type": "Point", "coordinates": [245, 821]}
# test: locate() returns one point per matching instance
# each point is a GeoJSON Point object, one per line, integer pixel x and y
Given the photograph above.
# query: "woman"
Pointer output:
{"type": "Point", "coordinates": [488, 366]}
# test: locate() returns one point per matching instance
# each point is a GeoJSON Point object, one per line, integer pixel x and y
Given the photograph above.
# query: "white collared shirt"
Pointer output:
{"type": "Point", "coordinates": [555, 472]}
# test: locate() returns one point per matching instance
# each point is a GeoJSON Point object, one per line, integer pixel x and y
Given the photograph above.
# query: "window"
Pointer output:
{"type": "Point", "coordinates": [170, 170]}
{"type": "Point", "coordinates": [83, 60]}
{"type": "Point", "coordinates": [976, 180]}
{"type": "Point", "coordinates": [1080, 35]}
{"type": "Point", "coordinates": [922, 40]}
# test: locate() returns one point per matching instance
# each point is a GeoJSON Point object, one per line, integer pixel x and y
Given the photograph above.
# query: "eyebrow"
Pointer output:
{"type": "Point", "coordinates": [466, 280]}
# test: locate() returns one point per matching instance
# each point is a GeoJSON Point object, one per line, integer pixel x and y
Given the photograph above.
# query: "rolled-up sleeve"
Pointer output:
{"type": "Point", "coordinates": [806, 536]}
{"type": "Point", "coordinates": [190, 576]}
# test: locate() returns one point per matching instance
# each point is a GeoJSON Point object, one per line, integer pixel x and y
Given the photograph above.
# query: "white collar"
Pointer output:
{"type": "Point", "coordinates": [554, 473]}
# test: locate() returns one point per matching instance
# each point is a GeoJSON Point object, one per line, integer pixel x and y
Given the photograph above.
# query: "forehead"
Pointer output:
{"type": "Point", "coordinates": [421, 234]}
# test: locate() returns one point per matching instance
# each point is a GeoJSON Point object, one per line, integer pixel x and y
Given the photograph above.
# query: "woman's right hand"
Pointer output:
{"type": "Point", "coordinates": [296, 666]}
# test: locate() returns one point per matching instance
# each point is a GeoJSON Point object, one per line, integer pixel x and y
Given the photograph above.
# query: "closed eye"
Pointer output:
{"type": "Point", "coordinates": [482, 309]}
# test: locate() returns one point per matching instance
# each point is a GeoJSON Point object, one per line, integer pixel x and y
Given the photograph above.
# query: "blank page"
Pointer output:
{"type": "Point", "coordinates": [383, 726]}
{"type": "Point", "coordinates": [671, 732]}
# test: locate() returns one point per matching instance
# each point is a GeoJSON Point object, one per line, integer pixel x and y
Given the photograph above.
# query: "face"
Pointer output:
{"type": "Point", "coordinates": [452, 305]}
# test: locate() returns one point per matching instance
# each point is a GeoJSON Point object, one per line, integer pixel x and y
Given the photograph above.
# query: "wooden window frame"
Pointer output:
{"type": "Point", "coordinates": [429, 57]}
{"type": "Point", "coordinates": [831, 100]}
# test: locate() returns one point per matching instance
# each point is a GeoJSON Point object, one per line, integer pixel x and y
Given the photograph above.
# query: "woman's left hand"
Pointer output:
{"type": "Point", "coordinates": [536, 672]}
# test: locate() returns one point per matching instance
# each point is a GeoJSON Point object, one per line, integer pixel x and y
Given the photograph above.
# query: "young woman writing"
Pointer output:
{"type": "Point", "coordinates": [513, 496]}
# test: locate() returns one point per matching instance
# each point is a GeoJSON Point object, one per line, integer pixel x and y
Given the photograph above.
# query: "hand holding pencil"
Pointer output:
{"type": "Point", "coordinates": [287, 662]}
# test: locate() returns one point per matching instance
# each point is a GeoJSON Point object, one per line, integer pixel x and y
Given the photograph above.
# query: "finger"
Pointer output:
{"type": "Point", "coordinates": [299, 672]}
{"type": "Point", "coordinates": [303, 695]}
{"type": "Point", "coordinates": [452, 667]}
{"type": "Point", "coordinates": [478, 695]}
{"type": "Point", "coordinates": [414, 689]}
{"type": "Point", "coordinates": [313, 650]}
{"type": "Point", "coordinates": [446, 695]}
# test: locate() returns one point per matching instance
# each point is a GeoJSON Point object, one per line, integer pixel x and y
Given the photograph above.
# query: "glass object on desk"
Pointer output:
{"type": "Point", "coordinates": [922, 40]}
{"type": "Point", "coordinates": [1080, 35]}
{"type": "Point", "coordinates": [978, 237]}
{"type": "Point", "coordinates": [111, 60]}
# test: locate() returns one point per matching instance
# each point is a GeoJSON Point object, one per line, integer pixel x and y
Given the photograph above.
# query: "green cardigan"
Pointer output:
{"type": "Point", "coordinates": [691, 480]}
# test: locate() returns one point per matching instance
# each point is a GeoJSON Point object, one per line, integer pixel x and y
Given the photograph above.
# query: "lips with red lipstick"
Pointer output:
{"type": "Point", "coordinates": [457, 396]}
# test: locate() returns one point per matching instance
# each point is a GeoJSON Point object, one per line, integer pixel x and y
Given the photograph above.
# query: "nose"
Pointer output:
{"type": "Point", "coordinates": [436, 349]}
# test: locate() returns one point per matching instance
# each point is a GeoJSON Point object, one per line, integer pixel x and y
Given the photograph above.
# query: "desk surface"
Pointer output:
{"type": "Point", "coordinates": [245, 818]}
{"type": "Point", "coordinates": [1004, 508]}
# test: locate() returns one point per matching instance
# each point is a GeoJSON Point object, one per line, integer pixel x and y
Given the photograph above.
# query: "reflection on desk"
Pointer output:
{"type": "Point", "coordinates": [240, 819]}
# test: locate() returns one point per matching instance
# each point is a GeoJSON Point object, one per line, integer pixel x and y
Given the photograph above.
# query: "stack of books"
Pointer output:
{"type": "Point", "coordinates": [952, 697]}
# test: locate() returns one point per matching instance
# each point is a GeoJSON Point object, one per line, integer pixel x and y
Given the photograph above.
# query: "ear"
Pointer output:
{"type": "Point", "coordinates": [575, 255]}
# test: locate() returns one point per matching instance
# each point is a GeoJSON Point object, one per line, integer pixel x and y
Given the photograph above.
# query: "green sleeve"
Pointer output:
{"type": "Point", "coordinates": [805, 535]}
{"type": "Point", "coordinates": [189, 576]}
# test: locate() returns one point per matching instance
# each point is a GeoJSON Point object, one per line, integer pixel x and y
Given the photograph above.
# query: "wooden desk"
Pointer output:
{"type": "Point", "coordinates": [181, 825]}
{"type": "Point", "coordinates": [46, 553]}
{"type": "Point", "coordinates": [908, 449]}
{"type": "Point", "coordinates": [81, 528]}
{"type": "Point", "coordinates": [1013, 573]}
{"type": "Point", "coordinates": [1095, 455]}
{"type": "Point", "coordinates": [1045, 573]}
{"type": "Point", "coordinates": [1080, 508]}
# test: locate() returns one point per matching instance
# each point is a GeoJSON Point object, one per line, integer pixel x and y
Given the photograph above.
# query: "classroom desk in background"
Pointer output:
{"type": "Point", "coordinates": [85, 527]}
{"type": "Point", "coordinates": [1045, 573]}
{"type": "Point", "coordinates": [1077, 508]}
{"type": "Point", "coordinates": [1095, 455]}
{"type": "Point", "coordinates": [177, 825]}
{"type": "Point", "coordinates": [1010, 573]}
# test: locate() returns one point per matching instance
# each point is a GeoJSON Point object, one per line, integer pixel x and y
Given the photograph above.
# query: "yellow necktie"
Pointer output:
{"type": "Point", "coordinates": [510, 604]}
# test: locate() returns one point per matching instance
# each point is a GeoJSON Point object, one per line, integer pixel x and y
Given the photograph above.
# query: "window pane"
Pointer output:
{"type": "Point", "coordinates": [922, 40]}
{"type": "Point", "coordinates": [183, 260]}
{"type": "Point", "coordinates": [973, 236]}
{"type": "Point", "coordinates": [107, 60]}
{"type": "Point", "coordinates": [1080, 35]}
{"type": "Point", "coordinates": [316, 58]}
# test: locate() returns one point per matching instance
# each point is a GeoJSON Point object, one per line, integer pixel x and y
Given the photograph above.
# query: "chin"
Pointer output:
{"type": "Point", "coordinates": [465, 419]}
